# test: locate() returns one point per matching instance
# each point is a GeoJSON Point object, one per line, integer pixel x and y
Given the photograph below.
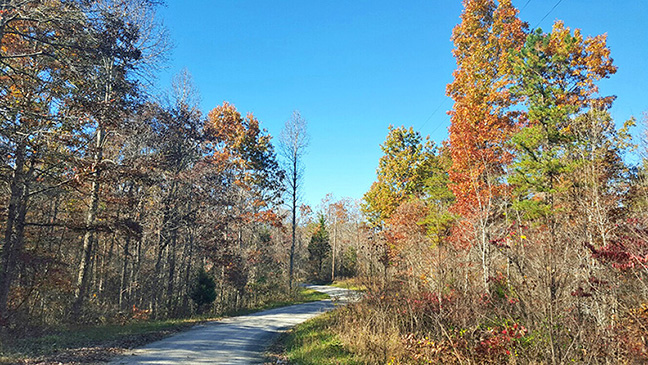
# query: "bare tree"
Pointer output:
{"type": "Point", "coordinates": [294, 140]}
{"type": "Point", "coordinates": [122, 54]}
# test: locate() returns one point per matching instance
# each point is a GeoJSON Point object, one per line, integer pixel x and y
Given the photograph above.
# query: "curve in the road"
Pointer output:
{"type": "Point", "coordinates": [236, 340]}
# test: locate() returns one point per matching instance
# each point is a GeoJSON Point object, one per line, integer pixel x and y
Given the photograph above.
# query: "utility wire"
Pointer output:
{"type": "Point", "coordinates": [444, 100]}
{"type": "Point", "coordinates": [549, 12]}
{"type": "Point", "coordinates": [525, 5]}
{"type": "Point", "coordinates": [438, 126]}
{"type": "Point", "coordinates": [434, 112]}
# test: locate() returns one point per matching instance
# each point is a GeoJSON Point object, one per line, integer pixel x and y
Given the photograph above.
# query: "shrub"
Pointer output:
{"type": "Point", "coordinates": [204, 291]}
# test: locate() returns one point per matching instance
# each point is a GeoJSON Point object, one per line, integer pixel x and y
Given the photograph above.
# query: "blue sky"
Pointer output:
{"type": "Point", "coordinates": [352, 68]}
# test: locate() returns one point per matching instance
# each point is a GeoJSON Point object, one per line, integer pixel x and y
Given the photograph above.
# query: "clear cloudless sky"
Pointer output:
{"type": "Point", "coordinates": [352, 68]}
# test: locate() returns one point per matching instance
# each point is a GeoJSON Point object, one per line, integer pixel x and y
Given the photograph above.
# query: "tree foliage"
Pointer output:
{"type": "Point", "coordinates": [203, 292]}
{"type": "Point", "coordinates": [557, 74]}
{"type": "Point", "coordinates": [319, 248]}
{"type": "Point", "coordinates": [407, 161]}
{"type": "Point", "coordinates": [526, 238]}
{"type": "Point", "coordinates": [110, 196]}
{"type": "Point", "coordinates": [481, 119]}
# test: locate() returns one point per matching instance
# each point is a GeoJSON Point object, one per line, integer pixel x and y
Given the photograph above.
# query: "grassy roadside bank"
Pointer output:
{"type": "Point", "coordinates": [312, 342]}
{"type": "Point", "coordinates": [315, 341]}
{"type": "Point", "coordinates": [90, 344]}
{"type": "Point", "coordinates": [351, 284]}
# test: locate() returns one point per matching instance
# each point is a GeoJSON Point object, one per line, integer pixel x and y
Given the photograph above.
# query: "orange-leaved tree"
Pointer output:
{"type": "Point", "coordinates": [481, 119]}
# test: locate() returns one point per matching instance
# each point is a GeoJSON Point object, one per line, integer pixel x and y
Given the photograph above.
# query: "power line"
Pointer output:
{"type": "Point", "coordinates": [549, 12]}
{"type": "Point", "coordinates": [431, 115]}
{"type": "Point", "coordinates": [525, 5]}
{"type": "Point", "coordinates": [438, 126]}
{"type": "Point", "coordinates": [444, 100]}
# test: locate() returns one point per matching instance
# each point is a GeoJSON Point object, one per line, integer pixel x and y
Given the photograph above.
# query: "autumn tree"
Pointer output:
{"type": "Point", "coordinates": [408, 204]}
{"type": "Point", "coordinates": [557, 75]}
{"type": "Point", "coordinates": [343, 217]}
{"type": "Point", "coordinates": [540, 248]}
{"type": "Point", "coordinates": [407, 161]}
{"type": "Point", "coordinates": [42, 45]}
{"type": "Point", "coordinates": [293, 141]}
{"type": "Point", "coordinates": [242, 161]}
{"type": "Point", "coordinates": [565, 143]}
{"type": "Point", "coordinates": [177, 128]}
{"type": "Point", "coordinates": [138, 190]}
{"type": "Point", "coordinates": [481, 119]}
{"type": "Point", "coordinates": [109, 90]}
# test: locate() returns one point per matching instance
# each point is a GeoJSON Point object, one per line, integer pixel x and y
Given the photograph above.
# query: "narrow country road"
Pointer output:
{"type": "Point", "coordinates": [236, 340]}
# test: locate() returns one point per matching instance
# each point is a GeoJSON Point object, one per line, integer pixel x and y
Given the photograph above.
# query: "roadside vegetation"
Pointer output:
{"type": "Point", "coordinates": [312, 342]}
{"type": "Point", "coordinates": [520, 239]}
{"type": "Point", "coordinates": [91, 343]}
{"type": "Point", "coordinates": [88, 344]}
{"type": "Point", "coordinates": [350, 283]}
{"type": "Point", "coordinates": [127, 216]}
{"type": "Point", "coordinates": [121, 203]}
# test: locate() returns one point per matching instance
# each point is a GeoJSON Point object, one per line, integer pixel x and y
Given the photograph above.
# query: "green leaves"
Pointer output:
{"type": "Point", "coordinates": [407, 162]}
{"type": "Point", "coordinates": [555, 76]}
{"type": "Point", "coordinates": [204, 290]}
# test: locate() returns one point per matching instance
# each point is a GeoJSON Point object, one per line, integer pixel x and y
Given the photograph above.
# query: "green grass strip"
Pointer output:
{"type": "Point", "coordinates": [313, 342]}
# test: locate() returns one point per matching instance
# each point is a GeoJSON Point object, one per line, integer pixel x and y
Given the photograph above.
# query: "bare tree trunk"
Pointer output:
{"type": "Point", "coordinates": [156, 295]}
{"type": "Point", "coordinates": [171, 260]}
{"type": "Point", "coordinates": [294, 141]}
{"type": "Point", "coordinates": [163, 241]}
{"type": "Point", "coordinates": [167, 230]}
{"type": "Point", "coordinates": [188, 268]}
{"type": "Point", "coordinates": [334, 248]}
{"type": "Point", "coordinates": [12, 240]}
{"type": "Point", "coordinates": [134, 288]}
{"type": "Point", "coordinates": [136, 261]}
{"type": "Point", "coordinates": [294, 224]}
{"type": "Point", "coordinates": [124, 273]}
{"type": "Point", "coordinates": [57, 203]}
{"type": "Point", "coordinates": [106, 260]}
{"type": "Point", "coordinates": [88, 237]}
{"type": "Point", "coordinates": [19, 234]}
{"type": "Point", "coordinates": [222, 289]}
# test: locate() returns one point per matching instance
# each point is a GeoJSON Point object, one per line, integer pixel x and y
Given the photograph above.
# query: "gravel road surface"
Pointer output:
{"type": "Point", "coordinates": [235, 340]}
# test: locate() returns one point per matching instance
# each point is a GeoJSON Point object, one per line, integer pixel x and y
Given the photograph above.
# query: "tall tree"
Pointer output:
{"type": "Point", "coordinates": [121, 35]}
{"type": "Point", "coordinates": [481, 119]}
{"type": "Point", "coordinates": [42, 45]}
{"type": "Point", "coordinates": [179, 133]}
{"type": "Point", "coordinates": [294, 140]}
{"type": "Point", "coordinates": [557, 74]}
{"type": "Point", "coordinates": [241, 156]}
